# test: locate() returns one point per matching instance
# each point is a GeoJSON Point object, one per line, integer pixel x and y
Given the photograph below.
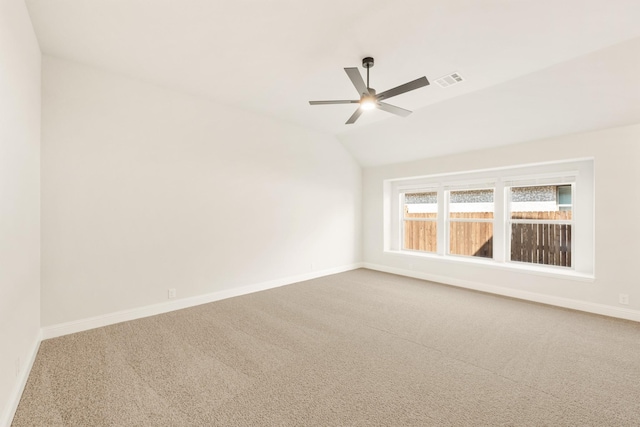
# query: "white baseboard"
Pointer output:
{"type": "Point", "coordinates": [589, 307]}
{"type": "Point", "coordinates": [6, 417]}
{"type": "Point", "coordinates": [152, 310]}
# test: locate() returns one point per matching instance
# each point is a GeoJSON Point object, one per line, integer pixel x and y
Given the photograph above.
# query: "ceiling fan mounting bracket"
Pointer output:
{"type": "Point", "coordinates": [367, 62]}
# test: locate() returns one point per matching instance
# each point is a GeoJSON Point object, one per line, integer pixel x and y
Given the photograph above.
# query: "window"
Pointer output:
{"type": "Point", "coordinates": [564, 197]}
{"type": "Point", "coordinates": [471, 222]}
{"type": "Point", "coordinates": [420, 221]}
{"type": "Point", "coordinates": [533, 217]}
{"type": "Point", "coordinates": [541, 224]}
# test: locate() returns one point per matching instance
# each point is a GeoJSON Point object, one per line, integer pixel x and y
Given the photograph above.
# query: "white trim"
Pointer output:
{"type": "Point", "coordinates": [589, 307]}
{"type": "Point", "coordinates": [418, 188]}
{"type": "Point", "coordinates": [542, 179]}
{"type": "Point", "coordinates": [500, 168]}
{"type": "Point", "coordinates": [453, 219]}
{"type": "Point", "coordinates": [165, 307]}
{"type": "Point", "coordinates": [491, 263]}
{"type": "Point", "coordinates": [470, 184]}
{"type": "Point", "coordinates": [9, 411]}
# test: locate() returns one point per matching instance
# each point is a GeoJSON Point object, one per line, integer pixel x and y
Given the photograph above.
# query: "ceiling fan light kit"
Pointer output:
{"type": "Point", "coordinates": [369, 99]}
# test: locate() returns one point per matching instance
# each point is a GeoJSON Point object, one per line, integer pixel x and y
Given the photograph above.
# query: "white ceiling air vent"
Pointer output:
{"type": "Point", "coordinates": [449, 80]}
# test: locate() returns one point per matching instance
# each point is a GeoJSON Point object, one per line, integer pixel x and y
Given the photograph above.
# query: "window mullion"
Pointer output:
{"type": "Point", "coordinates": [499, 229]}
{"type": "Point", "coordinates": [443, 223]}
{"type": "Point", "coordinates": [401, 220]}
{"type": "Point", "coordinates": [488, 220]}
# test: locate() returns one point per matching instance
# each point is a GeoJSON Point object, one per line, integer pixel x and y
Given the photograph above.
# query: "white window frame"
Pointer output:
{"type": "Point", "coordinates": [403, 219]}
{"type": "Point", "coordinates": [577, 172]}
{"type": "Point", "coordinates": [564, 205]}
{"type": "Point", "coordinates": [448, 220]}
{"type": "Point", "coordinates": [509, 221]}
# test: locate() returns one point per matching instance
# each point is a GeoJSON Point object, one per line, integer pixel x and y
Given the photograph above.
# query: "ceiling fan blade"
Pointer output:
{"type": "Point", "coordinates": [393, 109]}
{"type": "Point", "coordinates": [356, 79]}
{"type": "Point", "coordinates": [417, 83]}
{"type": "Point", "coordinates": [332, 102]}
{"type": "Point", "coordinates": [354, 116]}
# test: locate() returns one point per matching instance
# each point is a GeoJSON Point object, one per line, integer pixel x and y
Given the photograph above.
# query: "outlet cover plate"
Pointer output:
{"type": "Point", "coordinates": [623, 299]}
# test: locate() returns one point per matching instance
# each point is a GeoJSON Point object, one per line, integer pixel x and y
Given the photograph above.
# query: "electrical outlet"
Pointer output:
{"type": "Point", "coordinates": [623, 299]}
{"type": "Point", "coordinates": [172, 293]}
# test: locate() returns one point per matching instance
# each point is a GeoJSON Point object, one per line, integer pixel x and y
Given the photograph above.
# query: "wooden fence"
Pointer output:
{"type": "Point", "coordinates": [548, 244]}
{"type": "Point", "coordinates": [471, 238]}
{"type": "Point", "coordinates": [420, 235]}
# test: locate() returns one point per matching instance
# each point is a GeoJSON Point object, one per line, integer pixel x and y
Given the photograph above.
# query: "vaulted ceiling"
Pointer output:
{"type": "Point", "coordinates": [532, 69]}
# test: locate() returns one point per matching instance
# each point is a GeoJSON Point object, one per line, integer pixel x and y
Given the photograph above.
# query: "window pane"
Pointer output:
{"type": "Point", "coordinates": [421, 205]}
{"type": "Point", "coordinates": [471, 238]}
{"type": "Point", "coordinates": [420, 235]}
{"type": "Point", "coordinates": [471, 204]}
{"type": "Point", "coordinates": [541, 202]}
{"type": "Point", "coordinates": [564, 195]}
{"type": "Point", "coordinates": [548, 244]}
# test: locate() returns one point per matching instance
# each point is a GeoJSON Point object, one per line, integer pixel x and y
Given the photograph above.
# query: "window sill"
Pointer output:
{"type": "Point", "coordinates": [492, 264]}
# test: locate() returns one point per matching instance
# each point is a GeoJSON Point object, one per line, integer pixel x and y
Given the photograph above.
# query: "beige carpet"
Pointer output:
{"type": "Point", "coordinates": [361, 348]}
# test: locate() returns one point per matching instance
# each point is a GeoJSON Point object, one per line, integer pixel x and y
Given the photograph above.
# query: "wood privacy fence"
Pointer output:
{"type": "Point", "coordinates": [548, 244]}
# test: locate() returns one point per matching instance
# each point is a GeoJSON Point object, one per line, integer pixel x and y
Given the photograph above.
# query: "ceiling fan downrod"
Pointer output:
{"type": "Point", "coordinates": [367, 63]}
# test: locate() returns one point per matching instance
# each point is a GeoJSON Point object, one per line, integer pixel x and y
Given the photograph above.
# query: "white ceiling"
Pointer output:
{"type": "Point", "coordinates": [533, 69]}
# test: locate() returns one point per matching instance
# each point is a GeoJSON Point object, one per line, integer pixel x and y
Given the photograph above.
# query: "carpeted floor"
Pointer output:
{"type": "Point", "coordinates": [360, 348]}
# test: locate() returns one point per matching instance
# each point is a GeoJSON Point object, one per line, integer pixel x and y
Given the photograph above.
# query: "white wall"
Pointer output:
{"type": "Point", "coordinates": [146, 189]}
{"type": "Point", "coordinates": [19, 200]}
{"type": "Point", "coordinates": [617, 174]}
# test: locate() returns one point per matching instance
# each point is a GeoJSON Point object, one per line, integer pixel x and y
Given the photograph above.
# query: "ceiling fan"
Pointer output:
{"type": "Point", "coordinates": [369, 99]}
